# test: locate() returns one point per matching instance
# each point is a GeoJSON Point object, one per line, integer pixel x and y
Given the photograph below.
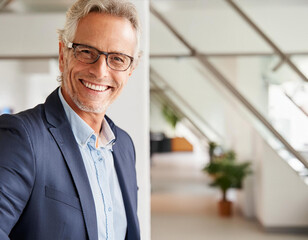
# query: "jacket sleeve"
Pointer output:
{"type": "Point", "coordinates": [17, 172]}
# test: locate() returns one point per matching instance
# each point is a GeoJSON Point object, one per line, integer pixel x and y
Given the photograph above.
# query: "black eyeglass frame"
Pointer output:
{"type": "Point", "coordinates": [74, 45]}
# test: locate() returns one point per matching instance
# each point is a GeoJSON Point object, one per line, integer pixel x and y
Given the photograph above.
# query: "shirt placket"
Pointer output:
{"type": "Point", "coordinates": [100, 158]}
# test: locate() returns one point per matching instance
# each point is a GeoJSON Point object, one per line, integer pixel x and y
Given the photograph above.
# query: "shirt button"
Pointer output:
{"type": "Point", "coordinates": [109, 209]}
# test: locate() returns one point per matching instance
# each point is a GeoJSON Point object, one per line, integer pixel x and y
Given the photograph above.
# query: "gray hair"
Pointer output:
{"type": "Point", "coordinates": [81, 8]}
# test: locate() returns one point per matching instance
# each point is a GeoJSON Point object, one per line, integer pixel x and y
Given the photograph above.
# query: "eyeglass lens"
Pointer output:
{"type": "Point", "coordinates": [115, 61]}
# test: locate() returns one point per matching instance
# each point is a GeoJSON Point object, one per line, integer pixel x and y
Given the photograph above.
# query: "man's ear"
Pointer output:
{"type": "Point", "coordinates": [135, 64]}
{"type": "Point", "coordinates": [61, 56]}
{"type": "Point", "coordinates": [132, 68]}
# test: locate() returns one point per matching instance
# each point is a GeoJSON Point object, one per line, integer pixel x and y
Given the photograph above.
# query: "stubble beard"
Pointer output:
{"type": "Point", "coordinates": [83, 107]}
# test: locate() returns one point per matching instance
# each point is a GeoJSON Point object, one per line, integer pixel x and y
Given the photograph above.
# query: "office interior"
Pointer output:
{"type": "Point", "coordinates": [233, 73]}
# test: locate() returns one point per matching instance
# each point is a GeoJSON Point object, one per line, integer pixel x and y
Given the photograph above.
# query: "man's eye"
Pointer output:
{"type": "Point", "coordinates": [86, 51]}
{"type": "Point", "coordinates": [118, 59]}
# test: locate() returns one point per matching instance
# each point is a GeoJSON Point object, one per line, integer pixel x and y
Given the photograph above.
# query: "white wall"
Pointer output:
{"type": "Point", "coordinates": [35, 35]}
{"type": "Point", "coordinates": [275, 194]}
{"type": "Point", "coordinates": [30, 34]}
{"type": "Point", "coordinates": [26, 83]}
{"type": "Point", "coordinates": [282, 195]}
{"type": "Point", "coordinates": [9, 74]}
{"type": "Point", "coordinates": [131, 112]}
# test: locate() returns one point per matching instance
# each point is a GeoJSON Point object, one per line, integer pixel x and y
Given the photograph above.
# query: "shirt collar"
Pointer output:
{"type": "Point", "coordinates": [82, 131]}
{"type": "Point", "coordinates": [106, 135]}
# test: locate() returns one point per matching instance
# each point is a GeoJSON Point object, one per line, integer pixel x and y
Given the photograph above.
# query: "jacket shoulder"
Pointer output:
{"type": "Point", "coordinates": [17, 172]}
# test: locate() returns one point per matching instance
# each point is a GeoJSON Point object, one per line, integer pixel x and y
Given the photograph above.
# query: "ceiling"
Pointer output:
{"type": "Point", "coordinates": [18, 6]}
{"type": "Point", "coordinates": [62, 5]}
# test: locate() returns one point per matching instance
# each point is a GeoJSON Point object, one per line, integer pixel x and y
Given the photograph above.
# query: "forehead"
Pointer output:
{"type": "Point", "coordinates": [106, 33]}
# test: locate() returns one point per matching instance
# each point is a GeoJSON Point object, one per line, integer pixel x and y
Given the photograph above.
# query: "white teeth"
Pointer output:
{"type": "Point", "coordinates": [95, 87]}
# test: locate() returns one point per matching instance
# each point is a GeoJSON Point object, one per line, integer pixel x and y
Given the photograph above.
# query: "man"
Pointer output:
{"type": "Point", "coordinates": [66, 170]}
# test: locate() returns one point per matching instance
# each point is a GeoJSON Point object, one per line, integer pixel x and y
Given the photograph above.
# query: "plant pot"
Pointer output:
{"type": "Point", "coordinates": [225, 208]}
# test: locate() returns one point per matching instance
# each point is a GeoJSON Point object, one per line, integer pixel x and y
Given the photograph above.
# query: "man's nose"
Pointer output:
{"type": "Point", "coordinates": [100, 67]}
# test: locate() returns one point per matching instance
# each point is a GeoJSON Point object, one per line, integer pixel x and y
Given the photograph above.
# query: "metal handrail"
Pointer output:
{"type": "Point", "coordinates": [161, 94]}
{"type": "Point", "coordinates": [283, 56]}
{"type": "Point", "coordinates": [296, 105]}
{"type": "Point", "coordinates": [183, 101]}
{"type": "Point", "coordinates": [234, 54]}
{"type": "Point", "coordinates": [203, 60]}
{"type": "Point", "coordinates": [4, 3]}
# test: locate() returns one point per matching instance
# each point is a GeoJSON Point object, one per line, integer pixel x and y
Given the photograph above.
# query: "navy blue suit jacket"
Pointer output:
{"type": "Point", "coordinates": [44, 189]}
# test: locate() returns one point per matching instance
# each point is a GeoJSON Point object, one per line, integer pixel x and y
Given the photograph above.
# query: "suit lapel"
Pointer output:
{"type": "Point", "coordinates": [123, 167]}
{"type": "Point", "coordinates": [63, 135]}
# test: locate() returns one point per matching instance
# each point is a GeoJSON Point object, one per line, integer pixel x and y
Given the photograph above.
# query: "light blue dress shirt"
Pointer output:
{"type": "Point", "coordinates": [99, 164]}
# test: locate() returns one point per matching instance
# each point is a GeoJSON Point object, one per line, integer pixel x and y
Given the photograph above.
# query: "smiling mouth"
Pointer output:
{"type": "Point", "coordinates": [98, 88]}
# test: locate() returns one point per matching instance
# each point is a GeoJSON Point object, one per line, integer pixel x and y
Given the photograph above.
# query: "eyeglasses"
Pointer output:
{"type": "Point", "coordinates": [89, 55]}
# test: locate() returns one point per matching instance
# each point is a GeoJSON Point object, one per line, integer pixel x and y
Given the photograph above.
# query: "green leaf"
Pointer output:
{"type": "Point", "coordinates": [170, 115]}
{"type": "Point", "coordinates": [226, 172]}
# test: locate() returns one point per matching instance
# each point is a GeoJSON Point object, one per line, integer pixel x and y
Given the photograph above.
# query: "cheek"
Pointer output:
{"type": "Point", "coordinates": [71, 70]}
{"type": "Point", "coordinates": [65, 66]}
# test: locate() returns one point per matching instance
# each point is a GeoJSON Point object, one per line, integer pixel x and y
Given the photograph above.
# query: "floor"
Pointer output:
{"type": "Point", "coordinates": [184, 207]}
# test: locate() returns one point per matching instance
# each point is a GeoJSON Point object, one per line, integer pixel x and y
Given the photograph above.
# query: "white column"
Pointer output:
{"type": "Point", "coordinates": [131, 112]}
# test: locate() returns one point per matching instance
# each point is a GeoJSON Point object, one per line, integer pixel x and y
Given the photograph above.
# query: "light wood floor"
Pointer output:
{"type": "Point", "coordinates": [185, 208]}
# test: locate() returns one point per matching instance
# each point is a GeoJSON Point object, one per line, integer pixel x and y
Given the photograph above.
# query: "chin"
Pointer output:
{"type": "Point", "coordinates": [90, 109]}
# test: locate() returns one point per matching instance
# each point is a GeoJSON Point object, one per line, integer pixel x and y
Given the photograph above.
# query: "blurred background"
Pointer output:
{"type": "Point", "coordinates": [232, 74]}
{"type": "Point", "coordinates": [221, 85]}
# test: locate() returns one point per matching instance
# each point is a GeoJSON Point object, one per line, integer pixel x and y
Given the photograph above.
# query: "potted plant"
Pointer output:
{"type": "Point", "coordinates": [170, 115]}
{"type": "Point", "coordinates": [212, 146]}
{"type": "Point", "coordinates": [227, 173]}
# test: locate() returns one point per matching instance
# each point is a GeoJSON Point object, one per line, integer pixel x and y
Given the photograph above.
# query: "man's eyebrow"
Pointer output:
{"type": "Point", "coordinates": [112, 51]}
